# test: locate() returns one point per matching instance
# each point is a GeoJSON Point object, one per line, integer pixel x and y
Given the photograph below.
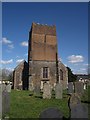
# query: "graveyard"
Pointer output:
{"type": "Point", "coordinates": [25, 104]}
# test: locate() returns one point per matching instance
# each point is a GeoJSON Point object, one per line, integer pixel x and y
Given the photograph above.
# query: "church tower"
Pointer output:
{"type": "Point", "coordinates": [42, 55]}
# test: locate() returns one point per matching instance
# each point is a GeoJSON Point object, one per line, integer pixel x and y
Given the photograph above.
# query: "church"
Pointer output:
{"type": "Point", "coordinates": [43, 65]}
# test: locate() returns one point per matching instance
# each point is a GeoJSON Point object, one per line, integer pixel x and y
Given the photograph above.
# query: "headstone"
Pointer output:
{"type": "Point", "coordinates": [5, 102]}
{"type": "Point", "coordinates": [70, 88]}
{"type": "Point", "coordinates": [85, 86]}
{"type": "Point", "coordinates": [79, 88]}
{"type": "Point", "coordinates": [36, 90]}
{"type": "Point", "coordinates": [58, 91]}
{"type": "Point", "coordinates": [3, 86]}
{"type": "Point", "coordinates": [51, 113]}
{"type": "Point", "coordinates": [77, 109]}
{"type": "Point", "coordinates": [46, 91]}
{"type": "Point", "coordinates": [8, 88]}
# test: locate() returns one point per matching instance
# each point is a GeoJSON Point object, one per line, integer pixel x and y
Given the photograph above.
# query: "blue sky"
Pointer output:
{"type": "Point", "coordinates": [71, 20]}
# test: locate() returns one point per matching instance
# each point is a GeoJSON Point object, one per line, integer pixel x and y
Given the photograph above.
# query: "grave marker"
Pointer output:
{"type": "Point", "coordinates": [46, 91]}
{"type": "Point", "coordinates": [58, 91]}
{"type": "Point", "coordinates": [51, 113]}
{"type": "Point", "coordinates": [77, 109]}
{"type": "Point", "coordinates": [70, 88]}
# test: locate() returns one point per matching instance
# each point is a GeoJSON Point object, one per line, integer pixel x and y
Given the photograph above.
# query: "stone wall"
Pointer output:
{"type": "Point", "coordinates": [42, 43]}
{"type": "Point", "coordinates": [65, 75]}
{"type": "Point", "coordinates": [36, 76]}
{"type": "Point", "coordinates": [20, 76]}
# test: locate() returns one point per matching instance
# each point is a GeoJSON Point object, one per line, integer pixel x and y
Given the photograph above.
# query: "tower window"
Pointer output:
{"type": "Point", "coordinates": [45, 72]}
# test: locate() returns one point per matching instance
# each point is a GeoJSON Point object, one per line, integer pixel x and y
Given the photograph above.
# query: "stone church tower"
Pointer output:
{"type": "Point", "coordinates": [43, 56]}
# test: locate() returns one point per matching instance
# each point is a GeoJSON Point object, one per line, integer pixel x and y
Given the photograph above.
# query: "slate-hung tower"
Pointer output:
{"type": "Point", "coordinates": [42, 55]}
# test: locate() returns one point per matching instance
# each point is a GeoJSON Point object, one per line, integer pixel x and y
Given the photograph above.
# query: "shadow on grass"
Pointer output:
{"type": "Point", "coordinates": [38, 97]}
{"type": "Point", "coordinates": [88, 102]}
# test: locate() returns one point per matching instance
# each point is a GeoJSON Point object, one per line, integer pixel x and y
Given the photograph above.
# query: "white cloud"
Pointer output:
{"type": "Point", "coordinates": [19, 60]}
{"type": "Point", "coordinates": [6, 61]}
{"type": "Point", "coordinates": [24, 43]}
{"type": "Point", "coordinates": [26, 54]}
{"type": "Point", "coordinates": [11, 46]}
{"type": "Point", "coordinates": [6, 41]}
{"type": "Point", "coordinates": [75, 58]}
{"type": "Point", "coordinates": [59, 59]}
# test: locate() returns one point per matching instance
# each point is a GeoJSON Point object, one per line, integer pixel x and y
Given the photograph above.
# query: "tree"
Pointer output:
{"type": "Point", "coordinates": [71, 76]}
{"type": "Point", "coordinates": [6, 74]}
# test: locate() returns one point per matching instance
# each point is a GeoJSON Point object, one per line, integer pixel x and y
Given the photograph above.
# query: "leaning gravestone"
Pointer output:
{"type": "Point", "coordinates": [58, 91]}
{"type": "Point", "coordinates": [36, 90]}
{"type": "Point", "coordinates": [79, 88]}
{"type": "Point", "coordinates": [51, 113]}
{"type": "Point", "coordinates": [77, 109]}
{"type": "Point", "coordinates": [46, 91]}
{"type": "Point", "coordinates": [70, 88]}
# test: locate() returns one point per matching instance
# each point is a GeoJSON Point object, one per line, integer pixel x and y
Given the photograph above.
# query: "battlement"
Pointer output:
{"type": "Point", "coordinates": [43, 29]}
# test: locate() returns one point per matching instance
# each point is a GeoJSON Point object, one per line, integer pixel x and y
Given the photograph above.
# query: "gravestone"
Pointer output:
{"type": "Point", "coordinates": [58, 91]}
{"type": "Point", "coordinates": [36, 90]}
{"type": "Point", "coordinates": [77, 109]}
{"type": "Point", "coordinates": [5, 102]}
{"type": "Point", "coordinates": [85, 86]}
{"type": "Point", "coordinates": [3, 86]}
{"type": "Point", "coordinates": [51, 113]}
{"type": "Point", "coordinates": [79, 88]}
{"type": "Point", "coordinates": [46, 91]}
{"type": "Point", "coordinates": [8, 88]}
{"type": "Point", "coordinates": [70, 88]}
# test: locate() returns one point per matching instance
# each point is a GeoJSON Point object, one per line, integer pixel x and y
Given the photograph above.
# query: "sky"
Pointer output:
{"type": "Point", "coordinates": [70, 18]}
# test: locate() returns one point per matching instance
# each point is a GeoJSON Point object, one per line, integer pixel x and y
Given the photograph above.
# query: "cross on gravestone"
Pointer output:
{"type": "Point", "coordinates": [79, 88]}
{"type": "Point", "coordinates": [58, 91]}
{"type": "Point", "coordinates": [46, 91]}
{"type": "Point", "coordinates": [51, 113]}
{"type": "Point", "coordinates": [70, 88]}
{"type": "Point", "coordinates": [77, 109]}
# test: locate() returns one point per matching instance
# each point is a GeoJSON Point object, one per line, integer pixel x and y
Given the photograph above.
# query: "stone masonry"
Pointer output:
{"type": "Point", "coordinates": [43, 54]}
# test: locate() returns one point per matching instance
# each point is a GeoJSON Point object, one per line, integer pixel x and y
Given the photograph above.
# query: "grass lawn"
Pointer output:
{"type": "Point", "coordinates": [25, 106]}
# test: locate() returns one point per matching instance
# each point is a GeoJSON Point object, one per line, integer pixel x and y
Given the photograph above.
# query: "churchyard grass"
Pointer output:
{"type": "Point", "coordinates": [25, 106]}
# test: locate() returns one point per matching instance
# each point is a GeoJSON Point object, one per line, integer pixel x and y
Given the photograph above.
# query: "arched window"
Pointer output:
{"type": "Point", "coordinates": [61, 74]}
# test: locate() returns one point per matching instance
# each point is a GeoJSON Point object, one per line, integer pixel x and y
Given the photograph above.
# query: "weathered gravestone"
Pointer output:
{"type": "Point", "coordinates": [58, 91]}
{"type": "Point", "coordinates": [46, 91]}
{"type": "Point", "coordinates": [51, 113]}
{"type": "Point", "coordinates": [79, 88]}
{"type": "Point", "coordinates": [8, 88]}
{"type": "Point", "coordinates": [70, 88]}
{"type": "Point", "coordinates": [37, 90]}
{"type": "Point", "coordinates": [77, 109]}
{"type": "Point", "coordinates": [3, 86]}
{"type": "Point", "coordinates": [5, 102]}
